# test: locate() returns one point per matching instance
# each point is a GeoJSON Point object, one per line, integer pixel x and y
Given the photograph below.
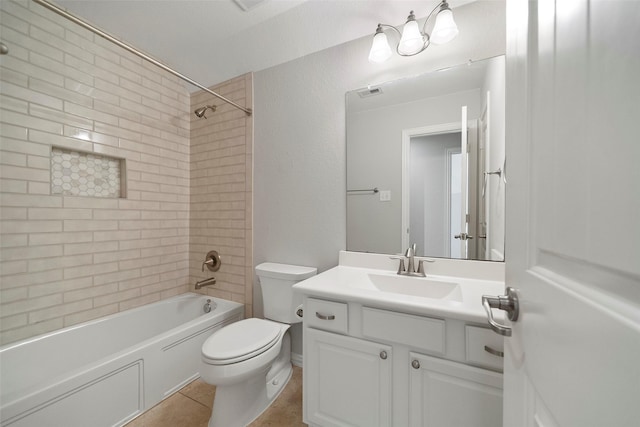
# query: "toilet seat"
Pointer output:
{"type": "Point", "coordinates": [240, 341]}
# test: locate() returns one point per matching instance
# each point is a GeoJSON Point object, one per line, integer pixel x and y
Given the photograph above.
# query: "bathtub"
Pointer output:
{"type": "Point", "coordinates": [108, 371]}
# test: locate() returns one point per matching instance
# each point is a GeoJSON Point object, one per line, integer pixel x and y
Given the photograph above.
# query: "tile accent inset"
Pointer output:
{"type": "Point", "coordinates": [75, 173]}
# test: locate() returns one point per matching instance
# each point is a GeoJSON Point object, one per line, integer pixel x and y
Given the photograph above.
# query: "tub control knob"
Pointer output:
{"type": "Point", "coordinates": [415, 364]}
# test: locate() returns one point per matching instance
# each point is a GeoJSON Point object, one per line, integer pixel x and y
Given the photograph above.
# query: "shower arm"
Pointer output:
{"type": "Point", "coordinates": [135, 51]}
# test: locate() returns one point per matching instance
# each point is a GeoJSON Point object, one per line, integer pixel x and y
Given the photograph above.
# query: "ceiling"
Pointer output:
{"type": "Point", "coordinates": [211, 41]}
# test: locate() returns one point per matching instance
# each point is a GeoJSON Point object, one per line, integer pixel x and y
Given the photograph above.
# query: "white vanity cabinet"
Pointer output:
{"type": "Point", "coordinates": [445, 393]}
{"type": "Point", "coordinates": [369, 366]}
{"type": "Point", "coordinates": [348, 381]}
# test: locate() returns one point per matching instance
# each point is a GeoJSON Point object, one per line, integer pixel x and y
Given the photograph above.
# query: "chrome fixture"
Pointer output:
{"type": "Point", "coordinates": [508, 303]}
{"type": "Point", "coordinates": [209, 305]}
{"type": "Point", "coordinates": [135, 51]}
{"type": "Point", "coordinates": [200, 111]}
{"type": "Point", "coordinates": [368, 190]}
{"type": "Point", "coordinates": [412, 39]}
{"type": "Point", "coordinates": [206, 282]}
{"type": "Point", "coordinates": [212, 261]}
{"type": "Point", "coordinates": [410, 256]}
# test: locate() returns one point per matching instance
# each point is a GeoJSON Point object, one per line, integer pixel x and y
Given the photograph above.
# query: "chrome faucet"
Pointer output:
{"type": "Point", "coordinates": [206, 282]}
{"type": "Point", "coordinates": [410, 256]}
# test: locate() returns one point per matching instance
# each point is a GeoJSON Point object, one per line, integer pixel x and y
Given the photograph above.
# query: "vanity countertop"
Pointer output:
{"type": "Point", "coordinates": [449, 296]}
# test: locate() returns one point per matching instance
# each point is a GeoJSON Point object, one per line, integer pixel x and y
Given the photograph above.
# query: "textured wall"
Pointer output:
{"type": "Point", "coordinates": [221, 191]}
{"type": "Point", "coordinates": [68, 259]}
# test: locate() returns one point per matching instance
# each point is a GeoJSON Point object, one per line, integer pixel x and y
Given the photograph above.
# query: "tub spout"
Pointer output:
{"type": "Point", "coordinates": [206, 282]}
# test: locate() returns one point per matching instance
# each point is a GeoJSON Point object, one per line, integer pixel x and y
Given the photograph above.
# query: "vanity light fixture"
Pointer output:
{"type": "Point", "coordinates": [412, 39]}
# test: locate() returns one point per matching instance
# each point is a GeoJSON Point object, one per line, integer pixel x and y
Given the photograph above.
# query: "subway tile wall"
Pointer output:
{"type": "Point", "coordinates": [221, 191]}
{"type": "Point", "coordinates": [67, 259]}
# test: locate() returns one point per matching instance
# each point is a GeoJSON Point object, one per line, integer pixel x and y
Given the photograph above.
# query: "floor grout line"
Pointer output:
{"type": "Point", "coordinates": [191, 398]}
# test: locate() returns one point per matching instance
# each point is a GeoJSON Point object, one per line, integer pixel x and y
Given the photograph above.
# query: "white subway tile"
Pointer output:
{"type": "Point", "coordinates": [58, 311]}
{"type": "Point", "coordinates": [90, 292]}
{"type": "Point", "coordinates": [58, 287]}
{"type": "Point", "coordinates": [90, 270]}
{"type": "Point", "coordinates": [89, 225]}
{"type": "Point", "coordinates": [13, 186]}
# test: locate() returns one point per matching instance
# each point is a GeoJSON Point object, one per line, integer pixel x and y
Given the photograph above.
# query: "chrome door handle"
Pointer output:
{"type": "Point", "coordinates": [463, 236]}
{"type": "Point", "coordinates": [325, 316]}
{"type": "Point", "coordinates": [508, 303]}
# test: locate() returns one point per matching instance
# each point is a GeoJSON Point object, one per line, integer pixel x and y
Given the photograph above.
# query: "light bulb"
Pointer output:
{"type": "Point", "coordinates": [412, 41]}
{"type": "Point", "coordinates": [380, 50]}
{"type": "Point", "coordinates": [445, 28]}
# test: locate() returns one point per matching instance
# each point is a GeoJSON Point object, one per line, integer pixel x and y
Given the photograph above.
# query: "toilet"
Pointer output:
{"type": "Point", "coordinates": [249, 361]}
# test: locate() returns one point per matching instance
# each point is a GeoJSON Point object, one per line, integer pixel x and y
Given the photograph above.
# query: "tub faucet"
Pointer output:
{"type": "Point", "coordinates": [206, 282]}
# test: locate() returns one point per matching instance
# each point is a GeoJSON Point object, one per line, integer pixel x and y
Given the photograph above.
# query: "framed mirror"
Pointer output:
{"type": "Point", "coordinates": [426, 163]}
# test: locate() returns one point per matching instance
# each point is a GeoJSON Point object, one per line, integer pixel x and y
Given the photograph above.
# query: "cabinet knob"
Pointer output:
{"type": "Point", "coordinates": [383, 355]}
{"type": "Point", "coordinates": [415, 364]}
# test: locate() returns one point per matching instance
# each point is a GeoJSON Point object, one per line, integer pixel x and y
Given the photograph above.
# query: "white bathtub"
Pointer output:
{"type": "Point", "coordinates": [108, 371]}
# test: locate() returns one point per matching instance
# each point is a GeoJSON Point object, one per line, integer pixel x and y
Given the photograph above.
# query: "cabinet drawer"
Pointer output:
{"type": "Point", "coordinates": [419, 332]}
{"type": "Point", "coordinates": [327, 315]}
{"type": "Point", "coordinates": [476, 340]}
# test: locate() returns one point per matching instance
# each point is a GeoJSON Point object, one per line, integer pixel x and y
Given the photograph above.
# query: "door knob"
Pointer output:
{"type": "Point", "coordinates": [508, 303]}
{"type": "Point", "coordinates": [463, 236]}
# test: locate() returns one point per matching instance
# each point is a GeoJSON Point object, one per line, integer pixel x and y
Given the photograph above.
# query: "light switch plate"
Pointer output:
{"type": "Point", "coordinates": [385, 195]}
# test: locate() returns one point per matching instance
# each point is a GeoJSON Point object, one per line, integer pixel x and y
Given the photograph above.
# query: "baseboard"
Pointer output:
{"type": "Point", "coordinates": [296, 359]}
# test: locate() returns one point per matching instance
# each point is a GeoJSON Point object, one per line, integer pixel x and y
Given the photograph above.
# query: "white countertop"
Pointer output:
{"type": "Point", "coordinates": [350, 283]}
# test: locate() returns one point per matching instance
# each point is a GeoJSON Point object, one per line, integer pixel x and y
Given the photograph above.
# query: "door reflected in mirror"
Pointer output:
{"type": "Point", "coordinates": [433, 148]}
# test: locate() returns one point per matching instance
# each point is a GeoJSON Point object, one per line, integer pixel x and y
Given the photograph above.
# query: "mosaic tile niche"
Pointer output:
{"type": "Point", "coordinates": [75, 173]}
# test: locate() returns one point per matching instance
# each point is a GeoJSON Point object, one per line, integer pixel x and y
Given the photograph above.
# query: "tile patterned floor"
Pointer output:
{"type": "Point", "coordinates": [191, 407]}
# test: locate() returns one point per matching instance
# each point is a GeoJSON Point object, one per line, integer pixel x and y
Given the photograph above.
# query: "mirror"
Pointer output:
{"type": "Point", "coordinates": [426, 162]}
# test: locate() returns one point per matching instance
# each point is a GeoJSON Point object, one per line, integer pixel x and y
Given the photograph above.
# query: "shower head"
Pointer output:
{"type": "Point", "coordinates": [200, 111]}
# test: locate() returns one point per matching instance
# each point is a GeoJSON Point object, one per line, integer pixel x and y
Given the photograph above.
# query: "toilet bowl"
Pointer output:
{"type": "Point", "coordinates": [249, 361]}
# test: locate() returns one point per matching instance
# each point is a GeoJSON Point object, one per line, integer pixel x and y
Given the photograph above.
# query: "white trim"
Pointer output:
{"type": "Point", "coordinates": [296, 359]}
{"type": "Point", "coordinates": [447, 208]}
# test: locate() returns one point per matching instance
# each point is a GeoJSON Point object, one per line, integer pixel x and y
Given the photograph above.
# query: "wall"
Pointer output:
{"type": "Point", "coordinates": [221, 191]}
{"type": "Point", "coordinates": [68, 259]}
{"type": "Point", "coordinates": [299, 147]}
{"type": "Point", "coordinates": [375, 160]}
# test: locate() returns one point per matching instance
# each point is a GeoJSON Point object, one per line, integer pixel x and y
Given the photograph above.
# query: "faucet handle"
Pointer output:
{"type": "Point", "coordinates": [401, 267]}
{"type": "Point", "coordinates": [421, 262]}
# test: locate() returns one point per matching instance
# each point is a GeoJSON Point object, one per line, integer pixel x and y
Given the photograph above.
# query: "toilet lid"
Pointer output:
{"type": "Point", "coordinates": [240, 341]}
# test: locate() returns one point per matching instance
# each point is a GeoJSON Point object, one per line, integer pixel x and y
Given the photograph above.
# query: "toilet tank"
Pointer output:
{"type": "Point", "coordinates": [276, 281]}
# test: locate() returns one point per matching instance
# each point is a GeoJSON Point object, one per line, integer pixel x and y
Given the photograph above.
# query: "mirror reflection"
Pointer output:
{"type": "Point", "coordinates": [426, 162]}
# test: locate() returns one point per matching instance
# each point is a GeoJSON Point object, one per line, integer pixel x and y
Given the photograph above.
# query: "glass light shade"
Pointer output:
{"type": "Point", "coordinates": [445, 28]}
{"type": "Point", "coordinates": [412, 41]}
{"type": "Point", "coordinates": [380, 50]}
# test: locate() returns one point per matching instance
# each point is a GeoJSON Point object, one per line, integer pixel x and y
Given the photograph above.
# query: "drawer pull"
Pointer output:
{"type": "Point", "coordinates": [493, 351]}
{"type": "Point", "coordinates": [325, 316]}
{"type": "Point", "coordinates": [415, 364]}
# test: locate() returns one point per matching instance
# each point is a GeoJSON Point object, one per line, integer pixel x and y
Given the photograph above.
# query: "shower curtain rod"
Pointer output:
{"type": "Point", "coordinates": [135, 51]}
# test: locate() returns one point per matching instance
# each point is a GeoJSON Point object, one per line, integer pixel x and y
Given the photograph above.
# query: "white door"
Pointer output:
{"type": "Point", "coordinates": [573, 213]}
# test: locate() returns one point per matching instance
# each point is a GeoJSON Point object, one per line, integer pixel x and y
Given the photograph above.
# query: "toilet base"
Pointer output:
{"type": "Point", "coordinates": [237, 405]}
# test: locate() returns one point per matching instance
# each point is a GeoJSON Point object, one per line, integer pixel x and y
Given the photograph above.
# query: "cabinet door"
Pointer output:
{"type": "Point", "coordinates": [450, 394]}
{"type": "Point", "coordinates": [347, 381]}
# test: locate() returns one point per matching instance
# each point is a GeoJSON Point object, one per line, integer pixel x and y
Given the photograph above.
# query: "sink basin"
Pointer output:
{"type": "Point", "coordinates": [413, 286]}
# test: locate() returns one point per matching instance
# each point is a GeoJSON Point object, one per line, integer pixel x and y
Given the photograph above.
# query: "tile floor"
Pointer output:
{"type": "Point", "coordinates": [191, 407]}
